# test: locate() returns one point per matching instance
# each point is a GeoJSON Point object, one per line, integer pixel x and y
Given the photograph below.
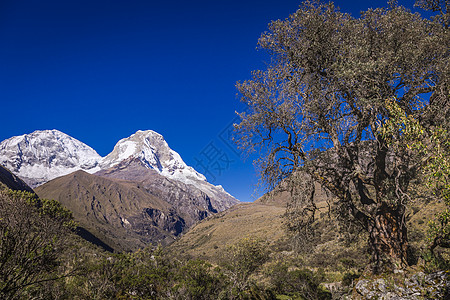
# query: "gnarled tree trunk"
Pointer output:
{"type": "Point", "coordinates": [388, 238]}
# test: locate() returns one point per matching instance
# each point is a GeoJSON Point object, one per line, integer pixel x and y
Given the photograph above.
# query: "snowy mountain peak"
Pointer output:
{"type": "Point", "coordinates": [46, 154]}
{"type": "Point", "coordinates": [43, 155]}
{"type": "Point", "coordinates": [151, 148]}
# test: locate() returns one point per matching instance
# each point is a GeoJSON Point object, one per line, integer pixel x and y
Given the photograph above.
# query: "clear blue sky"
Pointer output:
{"type": "Point", "coordinates": [99, 70]}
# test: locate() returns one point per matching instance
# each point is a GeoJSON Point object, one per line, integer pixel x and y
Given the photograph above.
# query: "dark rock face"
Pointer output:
{"type": "Point", "coordinates": [12, 181]}
{"type": "Point", "coordinates": [128, 215]}
{"type": "Point", "coordinates": [150, 217]}
{"type": "Point", "coordinates": [120, 213]}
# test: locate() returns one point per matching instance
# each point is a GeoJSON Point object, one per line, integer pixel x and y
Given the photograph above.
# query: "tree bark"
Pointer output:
{"type": "Point", "coordinates": [388, 239]}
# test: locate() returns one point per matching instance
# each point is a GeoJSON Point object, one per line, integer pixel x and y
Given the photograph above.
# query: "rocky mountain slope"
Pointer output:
{"type": "Point", "coordinates": [154, 153]}
{"type": "Point", "coordinates": [146, 154]}
{"type": "Point", "coordinates": [192, 193]}
{"type": "Point", "coordinates": [120, 213]}
{"type": "Point", "coordinates": [190, 202]}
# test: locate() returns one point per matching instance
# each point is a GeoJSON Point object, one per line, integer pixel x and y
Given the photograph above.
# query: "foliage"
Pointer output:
{"type": "Point", "coordinates": [198, 279]}
{"type": "Point", "coordinates": [316, 111]}
{"type": "Point", "coordinates": [433, 146]}
{"type": "Point", "coordinates": [31, 244]}
{"type": "Point", "coordinates": [298, 283]}
{"type": "Point", "coordinates": [47, 207]}
{"type": "Point", "coordinates": [437, 173]}
{"type": "Point", "coordinates": [41, 258]}
{"type": "Point", "coordinates": [144, 274]}
{"type": "Point", "coordinates": [248, 270]}
{"type": "Point", "coordinates": [349, 278]}
{"type": "Point", "coordinates": [147, 274]}
{"type": "Point", "coordinates": [440, 6]}
{"type": "Point", "coordinates": [243, 259]}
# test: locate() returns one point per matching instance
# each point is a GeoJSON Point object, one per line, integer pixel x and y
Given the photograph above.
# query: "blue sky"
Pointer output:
{"type": "Point", "coordinates": [99, 70]}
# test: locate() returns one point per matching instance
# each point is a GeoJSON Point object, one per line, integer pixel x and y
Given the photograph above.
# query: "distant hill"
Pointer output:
{"type": "Point", "coordinates": [331, 247]}
{"type": "Point", "coordinates": [261, 219]}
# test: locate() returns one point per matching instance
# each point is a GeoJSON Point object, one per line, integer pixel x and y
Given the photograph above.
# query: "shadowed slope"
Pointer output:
{"type": "Point", "coordinates": [183, 194]}
{"type": "Point", "coordinates": [12, 181]}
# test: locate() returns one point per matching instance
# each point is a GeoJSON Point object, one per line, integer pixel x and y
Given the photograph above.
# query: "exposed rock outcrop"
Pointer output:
{"type": "Point", "coordinates": [417, 286]}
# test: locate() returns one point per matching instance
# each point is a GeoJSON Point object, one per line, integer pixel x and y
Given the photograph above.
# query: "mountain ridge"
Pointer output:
{"type": "Point", "coordinates": [12, 181]}
{"type": "Point", "coordinates": [43, 155]}
{"type": "Point", "coordinates": [152, 149]}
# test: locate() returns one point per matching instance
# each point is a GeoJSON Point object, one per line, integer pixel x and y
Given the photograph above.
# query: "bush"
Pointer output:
{"type": "Point", "coordinates": [31, 245]}
{"type": "Point", "coordinates": [349, 277]}
{"type": "Point", "coordinates": [301, 283]}
{"type": "Point", "coordinates": [241, 261]}
{"type": "Point", "coordinates": [197, 279]}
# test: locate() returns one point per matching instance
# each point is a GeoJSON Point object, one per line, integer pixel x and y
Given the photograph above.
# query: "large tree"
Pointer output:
{"type": "Point", "coordinates": [319, 108]}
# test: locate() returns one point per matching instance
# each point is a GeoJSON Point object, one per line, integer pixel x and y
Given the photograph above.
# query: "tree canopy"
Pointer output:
{"type": "Point", "coordinates": [320, 106]}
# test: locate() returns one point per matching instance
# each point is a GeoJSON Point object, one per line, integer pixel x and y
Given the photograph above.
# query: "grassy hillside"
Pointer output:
{"type": "Point", "coordinates": [208, 239]}
{"type": "Point", "coordinates": [262, 219]}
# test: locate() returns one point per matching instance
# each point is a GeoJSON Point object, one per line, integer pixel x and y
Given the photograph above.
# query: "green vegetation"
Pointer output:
{"type": "Point", "coordinates": [33, 237]}
{"type": "Point", "coordinates": [248, 268]}
{"type": "Point", "coordinates": [433, 146]}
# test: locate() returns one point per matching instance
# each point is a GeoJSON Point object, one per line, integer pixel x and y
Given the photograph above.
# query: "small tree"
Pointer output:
{"type": "Point", "coordinates": [241, 261]}
{"type": "Point", "coordinates": [198, 280]}
{"type": "Point", "coordinates": [319, 106]}
{"type": "Point", "coordinates": [33, 235]}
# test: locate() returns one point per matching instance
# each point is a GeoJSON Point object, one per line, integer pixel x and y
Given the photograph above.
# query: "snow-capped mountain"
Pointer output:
{"type": "Point", "coordinates": [154, 152]}
{"type": "Point", "coordinates": [43, 155]}
{"type": "Point", "coordinates": [143, 189]}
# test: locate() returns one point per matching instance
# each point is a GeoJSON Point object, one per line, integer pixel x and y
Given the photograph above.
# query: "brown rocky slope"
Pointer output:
{"type": "Point", "coordinates": [120, 213]}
